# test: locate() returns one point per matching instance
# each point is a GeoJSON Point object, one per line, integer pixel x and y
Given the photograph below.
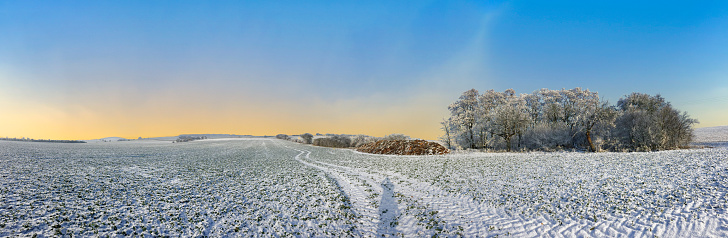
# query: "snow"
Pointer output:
{"type": "Point", "coordinates": [711, 134]}
{"type": "Point", "coordinates": [107, 139]}
{"type": "Point", "coordinates": [266, 187]}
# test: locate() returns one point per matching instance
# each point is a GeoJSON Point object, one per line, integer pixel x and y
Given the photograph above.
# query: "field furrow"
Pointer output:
{"type": "Point", "coordinates": [262, 187]}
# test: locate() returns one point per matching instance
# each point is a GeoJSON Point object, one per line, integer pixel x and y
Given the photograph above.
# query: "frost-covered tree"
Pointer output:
{"type": "Point", "coordinates": [396, 137]}
{"type": "Point", "coordinates": [360, 140]}
{"type": "Point", "coordinates": [677, 127]}
{"type": "Point", "coordinates": [534, 107]}
{"type": "Point", "coordinates": [650, 123]}
{"type": "Point", "coordinates": [446, 126]}
{"type": "Point", "coordinates": [337, 141]}
{"type": "Point", "coordinates": [464, 114]}
{"type": "Point", "coordinates": [586, 112]}
{"type": "Point", "coordinates": [487, 103]}
{"type": "Point", "coordinates": [510, 118]}
{"type": "Point", "coordinates": [547, 136]}
{"type": "Point", "coordinates": [307, 138]}
{"type": "Point", "coordinates": [564, 119]}
{"type": "Point", "coordinates": [594, 114]}
{"type": "Point", "coordinates": [551, 105]}
{"type": "Point", "coordinates": [573, 111]}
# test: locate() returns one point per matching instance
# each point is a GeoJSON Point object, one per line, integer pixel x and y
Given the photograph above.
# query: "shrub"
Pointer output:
{"type": "Point", "coordinates": [307, 138]}
{"type": "Point", "coordinates": [360, 140]}
{"type": "Point", "coordinates": [396, 137]}
{"type": "Point", "coordinates": [336, 141]}
{"type": "Point", "coordinates": [282, 137]}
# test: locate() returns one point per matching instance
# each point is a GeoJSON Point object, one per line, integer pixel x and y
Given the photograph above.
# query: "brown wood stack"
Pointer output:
{"type": "Point", "coordinates": [403, 147]}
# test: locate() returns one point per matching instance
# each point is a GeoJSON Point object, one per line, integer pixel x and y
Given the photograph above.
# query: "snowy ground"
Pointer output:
{"type": "Point", "coordinates": [261, 187]}
{"type": "Point", "coordinates": [711, 134]}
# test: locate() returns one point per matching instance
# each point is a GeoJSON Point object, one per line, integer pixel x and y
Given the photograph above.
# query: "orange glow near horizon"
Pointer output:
{"type": "Point", "coordinates": [166, 117]}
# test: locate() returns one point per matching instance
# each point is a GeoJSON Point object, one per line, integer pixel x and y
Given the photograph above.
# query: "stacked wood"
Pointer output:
{"type": "Point", "coordinates": [403, 147]}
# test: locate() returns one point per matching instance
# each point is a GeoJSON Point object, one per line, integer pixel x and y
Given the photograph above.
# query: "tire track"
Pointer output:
{"type": "Point", "coordinates": [366, 215]}
{"type": "Point", "coordinates": [426, 209]}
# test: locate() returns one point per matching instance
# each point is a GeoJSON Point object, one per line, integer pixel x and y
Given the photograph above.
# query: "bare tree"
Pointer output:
{"type": "Point", "coordinates": [446, 126]}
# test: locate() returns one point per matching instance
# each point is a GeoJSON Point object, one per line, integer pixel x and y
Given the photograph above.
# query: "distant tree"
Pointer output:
{"type": "Point", "coordinates": [282, 137]}
{"type": "Point", "coordinates": [360, 140]}
{"type": "Point", "coordinates": [396, 137]}
{"type": "Point", "coordinates": [344, 140]}
{"type": "Point", "coordinates": [336, 141]}
{"type": "Point", "coordinates": [307, 138]}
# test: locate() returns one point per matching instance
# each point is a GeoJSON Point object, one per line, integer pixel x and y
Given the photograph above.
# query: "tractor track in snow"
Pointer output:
{"type": "Point", "coordinates": [427, 209]}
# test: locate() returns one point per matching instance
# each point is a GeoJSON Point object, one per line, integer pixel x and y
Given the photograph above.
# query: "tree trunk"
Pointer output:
{"type": "Point", "coordinates": [472, 139]}
{"type": "Point", "coordinates": [589, 139]}
{"type": "Point", "coordinates": [508, 143]}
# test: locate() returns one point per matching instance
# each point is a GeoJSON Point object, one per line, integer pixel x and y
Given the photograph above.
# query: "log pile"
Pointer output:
{"type": "Point", "coordinates": [403, 147]}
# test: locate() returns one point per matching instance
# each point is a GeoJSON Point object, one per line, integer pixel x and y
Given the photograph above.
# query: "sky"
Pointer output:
{"type": "Point", "coordinates": [94, 69]}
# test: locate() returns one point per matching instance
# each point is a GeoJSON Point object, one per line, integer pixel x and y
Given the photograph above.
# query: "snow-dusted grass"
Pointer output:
{"type": "Point", "coordinates": [189, 189]}
{"type": "Point", "coordinates": [664, 193]}
{"type": "Point", "coordinates": [273, 187]}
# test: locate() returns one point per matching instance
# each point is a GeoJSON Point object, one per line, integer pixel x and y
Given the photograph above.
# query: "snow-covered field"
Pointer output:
{"type": "Point", "coordinates": [711, 134]}
{"type": "Point", "coordinates": [262, 187]}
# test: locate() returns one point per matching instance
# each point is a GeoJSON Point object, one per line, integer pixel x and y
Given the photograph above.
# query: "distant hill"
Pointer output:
{"type": "Point", "coordinates": [711, 134]}
{"type": "Point", "coordinates": [208, 136]}
{"type": "Point", "coordinates": [218, 136]}
{"type": "Point", "coordinates": [173, 138]}
{"type": "Point", "coordinates": [41, 140]}
{"type": "Point", "coordinates": [108, 139]}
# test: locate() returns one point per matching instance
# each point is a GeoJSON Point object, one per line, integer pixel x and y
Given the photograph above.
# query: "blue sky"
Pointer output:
{"type": "Point", "coordinates": [92, 69]}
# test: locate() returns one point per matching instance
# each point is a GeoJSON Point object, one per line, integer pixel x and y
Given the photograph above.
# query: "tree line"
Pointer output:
{"type": "Point", "coordinates": [42, 140]}
{"type": "Point", "coordinates": [341, 140]}
{"type": "Point", "coordinates": [575, 119]}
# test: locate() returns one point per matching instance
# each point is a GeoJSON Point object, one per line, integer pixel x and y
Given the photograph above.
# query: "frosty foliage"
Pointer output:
{"type": "Point", "coordinates": [360, 140]}
{"type": "Point", "coordinates": [283, 137]}
{"type": "Point", "coordinates": [651, 123]}
{"type": "Point", "coordinates": [447, 127]}
{"type": "Point", "coordinates": [396, 137]}
{"type": "Point", "coordinates": [563, 119]}
{"type": "Point", "coordinates": [307, 138]}
{"type": "Point", "coordinates": [336, 141]}
{"type": "Point", "coordinates": [464, 115]}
